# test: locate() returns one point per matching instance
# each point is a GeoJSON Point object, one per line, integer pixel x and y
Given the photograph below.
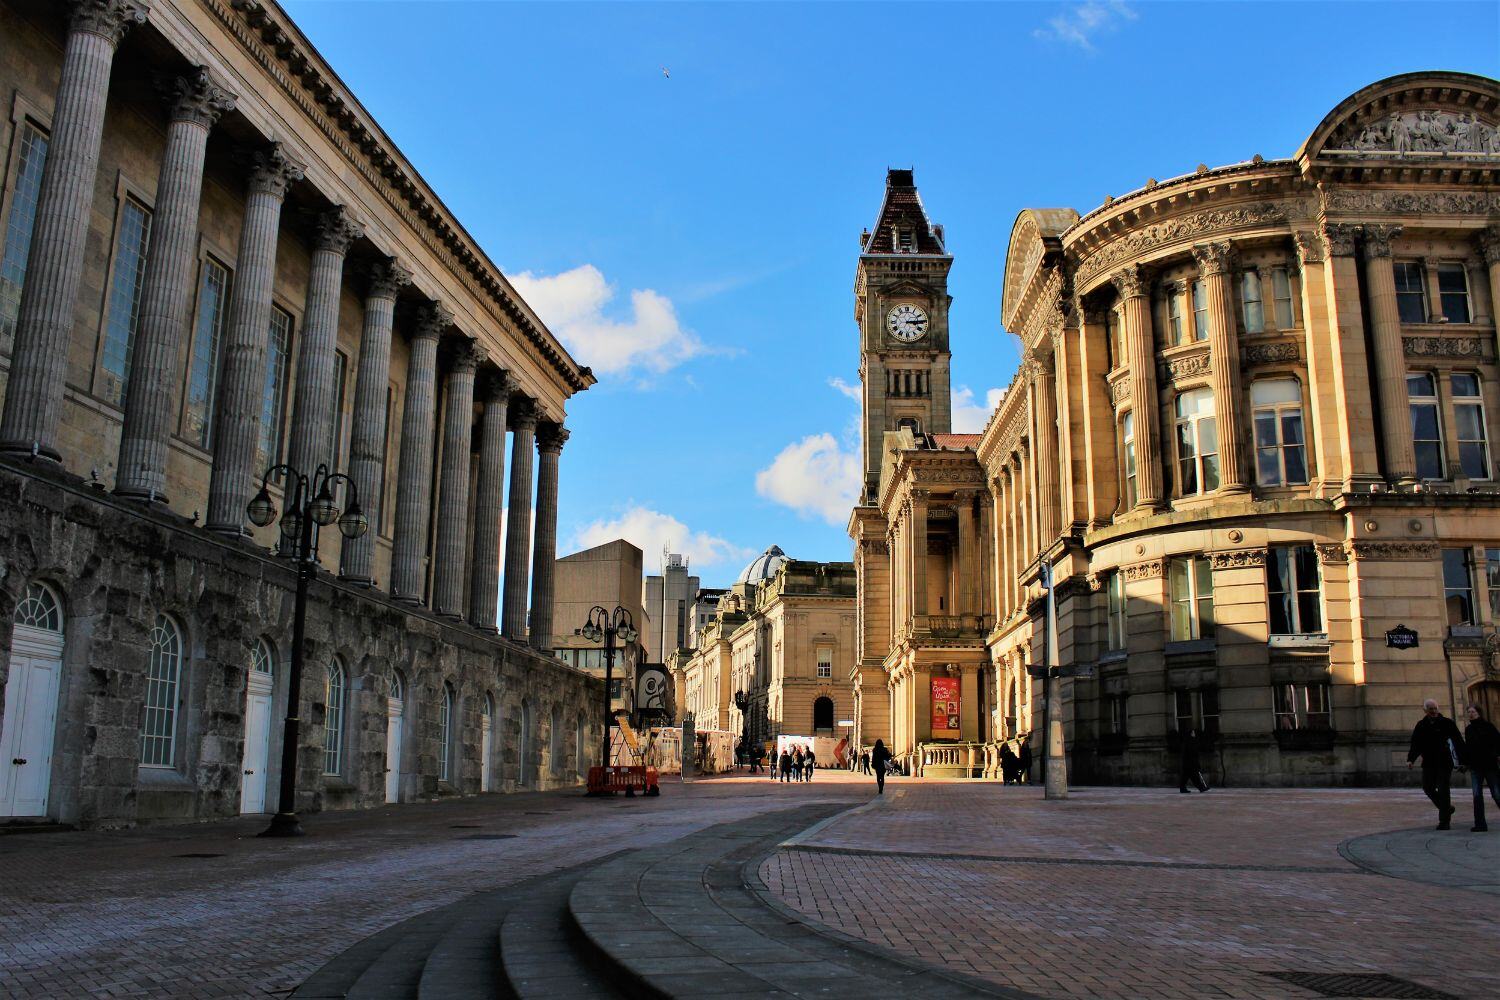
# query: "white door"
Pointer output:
{"type": "Point", "coordinates": [484, 753]}
{"type": "Point", "coordinates": [29, 721]}
{"type": "Point", "coordinates": [257, 743]}
{"type": "Point", "coordinates": [393, 751]}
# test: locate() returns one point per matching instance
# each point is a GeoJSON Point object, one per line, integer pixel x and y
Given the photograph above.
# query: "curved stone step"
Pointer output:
{"type": "Point", "coordinates": [387, 964]}
{"type": "Point", "coordinates": [541, 953]}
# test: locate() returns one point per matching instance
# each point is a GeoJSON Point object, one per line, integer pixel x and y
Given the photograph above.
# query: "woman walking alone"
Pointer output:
{"type": "Point", "coordinates": [878, 759]}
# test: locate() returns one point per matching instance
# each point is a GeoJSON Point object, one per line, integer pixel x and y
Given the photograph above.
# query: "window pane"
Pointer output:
{"type": "Point", "coordinates": [31, 150]}
{"type": "Point", "coordinates": [208, 331]}
{"type": "Point", "coordinates": [1255, 320]}
{"type": "Point", "coordinates": [163, 675]}
{"type": "Point", "coordinates": [123, 313]}
{"type": "Point", "coordinates": [1464, 384]}
{"type": "Point", "coordinates": [1492, 578]}
{"type": "Point", "coordinates": [1282, 289]}
{"type": "Point", "coordinates": [1411, 299]}
{"type": "Point", "coordinates": [1200, 311]}
{"type": "Point", "coordinates": [1296, 464]}
{"type": "Point", "coordinates": [1458, 587]}
{"type": "Point", "coordinates": [1424, 421]}
{"type": "Point", "coordinates": [333, 720]}
{"type": "Point", "coordinates": [1453, 286]}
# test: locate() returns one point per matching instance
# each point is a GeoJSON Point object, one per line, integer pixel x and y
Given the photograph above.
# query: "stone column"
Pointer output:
{"type": "Point", "coordinates": [1390, 355]}
{"type": "Point", "coordinates": [523, 420]}
{"type": "Point", "coordinates": [1001, 492]}
{"type": "Point", "coordinates": [918, 558]}
{"type": "Point", "coordinates": [1134, 286]}
{"type": "Point", "coordinates": [967, 570]}
{"type": "Point", "coordinates": [1216, 265]}
{"type": "Point", "coordinates": [367, 438]}
{"type": "Point", "coordinates": [167, 287]}
{"type": "Point", "coordinates": [414, 485]}
{"type": "Point", "coordinates": [489, 500]}
{"type": "Point", "coordinates": [1489, 249]}
{"type": "Point", "coordinates": [54, 266]}
{"type": "Point", "coordinates": [313, 419]}
{"type": "Point", "coordinates": [549, 444]}
{"type": "Point", "coordinates": [243, 381]}
{"type": "Point", "coordinates": [453, 500]}
{"type": "Point", "coordinates": [1043, 387]}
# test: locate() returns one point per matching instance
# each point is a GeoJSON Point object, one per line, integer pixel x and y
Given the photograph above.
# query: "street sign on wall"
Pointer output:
{"type": "Point", "coordinates": [1401, 637]}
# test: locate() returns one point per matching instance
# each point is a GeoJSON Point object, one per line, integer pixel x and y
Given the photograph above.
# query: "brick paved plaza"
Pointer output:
{"type": "Point", "coordinates": [1114, 893]}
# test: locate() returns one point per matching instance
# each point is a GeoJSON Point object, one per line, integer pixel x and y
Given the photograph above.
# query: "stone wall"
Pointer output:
{"type": "Point", "coordinates": [117, 566]}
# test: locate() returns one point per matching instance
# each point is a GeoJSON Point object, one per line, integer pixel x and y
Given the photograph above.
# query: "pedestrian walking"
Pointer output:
{"type": "Point", "coordinates": [1023, 762]}
{"type": "Point", "coordinates": [864, 762]}
{"type": "Point", "coordinates": [1482, 750]}
{"type": "Point", "coordinates": [1436, 740]}
{"type": "Point", "coordinates": [879, 758]}
{"type": "Point", "coordinates": [786, 766]}
{"type": "Point", "coordinates": [797, 764]}
{"type": "Point", "coordinates": [1192, 765]}
{"type": "Point", "coordinates": [808, 763]}
{"type": "Point", "coordinates": [1008, 764]}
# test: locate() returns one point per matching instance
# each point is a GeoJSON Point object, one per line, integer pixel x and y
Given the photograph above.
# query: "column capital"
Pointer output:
{"type": "Point", "coordinates": [1216, 257]}
{"type": "Point", "coordinates": [1087, 311]}
{"type": "Point", "coordinates": [551, 438]}
{"type": "Point", "coordinates": [1338, 239]}
{"type": "Point", "coordinates": [337, 228]}
{"type": "Point", "coordinates": [1489, 245]}
{"type": "Point", "coordinates": [432, 321]}
{"type": "Point", "coordinates": [1309, 247]}
{"type": "Point", "coordinates": [272, 171]}
{"type": "Point", "coordinates": [523, 415]}
{"type": "Point", "coordinates": [197, 98]}
{"type": "Point", "coordinates": [1378, 239]}
{"type": "Point", "coordinates": [496, 386]}
{"type": "Point", "coordinates": [920, 497]}
{"type": "Point", "coordinates": [465, 357]}
{"type": "Point", "coordinates": [109, 18]}
{"type": "Point", "coordinates": [387, 278]}
{"type": "Point", "coordinates": [1132, 281]}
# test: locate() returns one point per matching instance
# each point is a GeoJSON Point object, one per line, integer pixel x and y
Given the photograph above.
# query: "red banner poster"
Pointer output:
{"type": "Point", "coordinates": [945, 708]}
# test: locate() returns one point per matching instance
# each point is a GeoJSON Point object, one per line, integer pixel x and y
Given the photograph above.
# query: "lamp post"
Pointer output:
{"type": "Point", "coordinates": [310, 506]}
{"type": "Point", "coordinates": [608, 625]}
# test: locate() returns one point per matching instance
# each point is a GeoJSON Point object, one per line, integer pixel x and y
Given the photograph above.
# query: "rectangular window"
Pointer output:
{"type": "Point", "coordinates": [1492, 579]}
{"type": "Point", "coordinates": [31, 157]}
{"type": "Point", "coordinates": [1174, 315]}
{"type": "Point", "coordinates": [1302, 706]}
{"type": "Point", "coordinates": [1197, 709]}
{"type": "Point", "coordinates": [1112, 337]}
{"type": "Point", "coordinates": [1192, 586]}
{"type": "Point", "coordinates": [1200, 311]}
{"type": "Point", "coordinates": [1127, 457]}
{"type": "Point", "coordinates": [1468, 414]}
{"type": "Point", "coordinates": [1411, 291]}
{"type": "Point", "coordinates": [1116, 719]}
{"type": "Point", "coordinates": [336, 426]}
{"type": "Point", "coordinates": [1293, 584]}
{"type": "Point", "coordinates": [123, 311]}
{"type": "Point", "coordinates": [1453, 292]}
{"type": "Point", "coordinates": [825, 661]}
{"type": "Point", "coordinates": [1116, 637]}
{"type": "Point", "coordinates": [1197, 442]}
{"type": "Point", "coordinates": [1426, 426]}
{"type": "Point", "coordinates": [203, 370]}
{"type": "Point", "coordinates": [1250, 299]}
{"type": "Point", "coordinates": [273, 399]}
{"type": "Point", "coordinates": [1280, 449]}
{"type": "Point", "coordinates": [1458, 586]}
{"type": "Point", "coordinates": [1281, 292]}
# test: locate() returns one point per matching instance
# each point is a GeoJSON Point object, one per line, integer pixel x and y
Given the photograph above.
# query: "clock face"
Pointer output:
{"type": "Point", "coordinates": [906, 322]}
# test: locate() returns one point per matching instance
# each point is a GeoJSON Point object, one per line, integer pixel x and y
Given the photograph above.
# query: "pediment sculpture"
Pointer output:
{"type": "Point", "coordinates": [1407, 132]}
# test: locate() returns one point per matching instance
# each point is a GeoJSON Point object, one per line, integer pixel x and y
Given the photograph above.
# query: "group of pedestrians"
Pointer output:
{"type": "Point", "coordinates": [794, 765]}
{"type": "Point", "coordinates": [1015, 765]}
{"type": "Point", "coordinates": [1437, 743]}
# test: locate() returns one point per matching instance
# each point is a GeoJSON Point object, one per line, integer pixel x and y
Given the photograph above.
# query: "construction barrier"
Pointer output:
{"type": "Point", "coordinates": [629, 779]}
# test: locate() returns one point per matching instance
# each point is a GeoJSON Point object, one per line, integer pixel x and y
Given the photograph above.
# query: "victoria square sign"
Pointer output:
{"type": "Point", "coordinates": [945, 705]}
{"type": "Point", "coordinates": [1401, 637]}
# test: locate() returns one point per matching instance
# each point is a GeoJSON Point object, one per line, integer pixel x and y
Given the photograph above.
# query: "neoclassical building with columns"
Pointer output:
{"type": "Point", "coordinates": [213, 261]}
{"type": "Point", "coordinates": [1253, 435]}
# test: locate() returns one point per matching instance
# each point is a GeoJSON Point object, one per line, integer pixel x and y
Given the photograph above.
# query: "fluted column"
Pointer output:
{"type": "Point", "coordinates": [1390, 354]}
{"type": "Point", "coordinates": [243, 383]}
{"type": "Point", "coordinates": [918, 510]}
{"type": "Point", "coordinates": [414, 485]}
{"type": "Point", "coordinates": [1216, 266]}
{"type": "Point", "coordinates": [489, 501]}
{"type": "Point", "coordinates": [1044, 391]}
{"type": "Point", "coordinates": [367, 436]}
{"type": "Point", "coordinates": [968, 574]}
{"type": "Point", "coordinates": [523, 420]}
{"type": "Point", "coordinates": [1489, 249]}
{"type": "Point", "coordinates": [54, 265]}
{"type": "Point", "coordinates": [549, 443]}
{"type": "Point", "coordinates": [167, 287]}
{"type": "Point", "coordinates": [1133, 284]}
{"type": "Point", "coordinates": [312, 408]}
{"type": "Point", "coordinates": [453, 498]}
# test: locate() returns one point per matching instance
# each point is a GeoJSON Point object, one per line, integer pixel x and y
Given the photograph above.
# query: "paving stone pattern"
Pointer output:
{"type": "Point", "coordinates": [1128, 893]}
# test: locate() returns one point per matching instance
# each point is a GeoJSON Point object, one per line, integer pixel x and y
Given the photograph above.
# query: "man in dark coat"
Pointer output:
{"type": "Point", "coordinates": [1023, 763]}
{"type": "Point", "coordinates": [1436, 740]}
{"type": "Point", "coordinates": [879, 758]}
{"type": "Point", "coordinates": [1482, 751]}
{"type": "Point", "coordinates": [1192, 764]}
{"type": "Point", "coordinates": [1008, 764]}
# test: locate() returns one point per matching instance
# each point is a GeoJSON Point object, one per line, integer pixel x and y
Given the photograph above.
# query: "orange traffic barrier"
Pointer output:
{"type": "Point", "coordinates": [627, 778]}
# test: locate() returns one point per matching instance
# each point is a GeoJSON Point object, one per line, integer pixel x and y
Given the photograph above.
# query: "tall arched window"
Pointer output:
{"type": "Point", "coordinates": [263, 660]}
{"type": "Point", "coordinates": [398, 686]}
{"type": "Point", "coordinates": [333, 720]}
{"type": "Point", "coordinates": [556, 740]}
{"type": "Point", "coordinates": [445, 733]}
{"type": "Point", "coordinates": [163, 688]}
{"type": "Point", "coordinates": [39, 609]}
{"type": "Point", "coordinates": [583, 752]}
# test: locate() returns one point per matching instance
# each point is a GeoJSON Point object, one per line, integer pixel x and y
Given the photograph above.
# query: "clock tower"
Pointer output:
{"type": "Point", "coordinates": [901, 305]}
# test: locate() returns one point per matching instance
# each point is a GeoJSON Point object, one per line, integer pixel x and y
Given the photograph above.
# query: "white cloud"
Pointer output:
{"type": "Point", "coordinates": [854, 392]}
{"type": "Point", "coordinates": [970, 417]}
{"type": "Point", "coordinates": [814, 476]}
{"type": "Point", "coordinates": [650, 530]}
{"type": "Point", "coordinates": [649, 341]}
{"type": "Point", "coordinates": [1082, 23]}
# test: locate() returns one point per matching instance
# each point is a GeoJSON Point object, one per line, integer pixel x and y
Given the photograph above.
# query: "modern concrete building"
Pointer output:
{"type": "Point", "coordinates": [214, 261]}
{"type": "Point", "coordinates": [607, 576]}
{"type": "Point", "coordinates": [668, 600]}
{"type": "Point", "coordinates": [1251, 436]}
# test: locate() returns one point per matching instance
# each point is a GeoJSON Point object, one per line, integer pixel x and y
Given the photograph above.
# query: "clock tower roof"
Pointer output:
{"type": "Point", "coordinates": [902, 226]}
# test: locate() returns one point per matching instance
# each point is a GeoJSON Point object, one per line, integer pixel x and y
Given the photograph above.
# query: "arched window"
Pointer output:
{"type": "Point", "coordinates": [39, 609]}
{"type": "Point", "coordinates": [333, 719]}
{"type": "Point", "coordinates": [398, 686]}
{"type": "Point", "coordinates": [445, 733]}
{"type": "Point", "coordinates": [583, 752]}
{"type": "Point", "coordinates": [163, 687]}
{"type": "Point", "coordinates": [263, 660]}
{"type": "Point", "coordinates": [823, 716]}
{"type": "Point", "coordinates": [556, 741]}
{"type": "Point", "coordinates": [524, 743]}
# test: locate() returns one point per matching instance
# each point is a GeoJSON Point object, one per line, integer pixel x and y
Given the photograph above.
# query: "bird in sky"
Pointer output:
{"type": "Point", "coordinates": [665, 73]}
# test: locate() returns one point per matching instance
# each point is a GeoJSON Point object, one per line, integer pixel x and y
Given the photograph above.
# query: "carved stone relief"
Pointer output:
{"type": "Point", "coordinates": [1237, 559]}
{"type": "Point", "coordinates": [1410, 202]}
{"type": "Point", "coordinates": [1151, 569]}
{"type": "Point", "coordinates": [1264, 354]}
{"type": "Point", "coordinates": [1425, 132]}
{"type": "Point", "coordinates": [1176, 230]}
{"type": "Point", "coordinates": [1444, 347]}
{"type": "Point", "coordinates": [1405, 551]}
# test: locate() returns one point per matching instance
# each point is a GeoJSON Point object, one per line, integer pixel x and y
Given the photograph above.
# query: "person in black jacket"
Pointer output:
{"type": "Point", "coordinates": [1482, 751]}
{"type": "Point", "coordinates": [879, 758]}
{"type": "Point", "coordinates": [1023, 762]}
{"type": "Point", "coordinates": [1192, 764]}
{"type": "Point", "coordinates": [1436, 740]}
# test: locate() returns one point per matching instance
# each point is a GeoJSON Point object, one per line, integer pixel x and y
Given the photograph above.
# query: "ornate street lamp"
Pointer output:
{"type": "Point", "coordinates": [311, 505]}
{"type": "Point", "coordinates": [608, 626]}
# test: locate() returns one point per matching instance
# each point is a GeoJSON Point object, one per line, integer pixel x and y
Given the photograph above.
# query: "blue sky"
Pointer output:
{"type": "Point", "coordinates": [694, 236]}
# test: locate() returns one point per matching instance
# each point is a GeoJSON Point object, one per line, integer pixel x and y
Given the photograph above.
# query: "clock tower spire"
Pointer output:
{"type": "Point", "coordinates": [901, 306]}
